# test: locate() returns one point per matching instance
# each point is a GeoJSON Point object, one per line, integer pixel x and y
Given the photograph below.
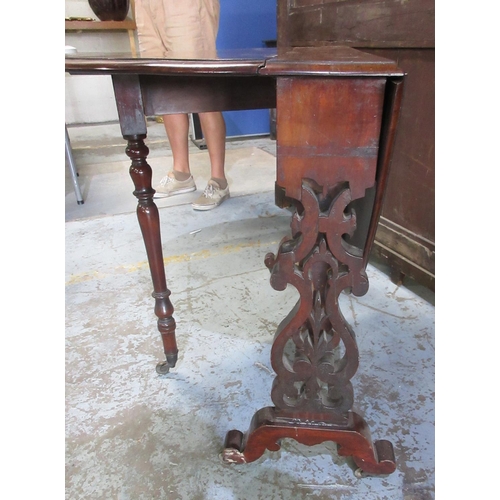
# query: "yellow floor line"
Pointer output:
{"type": "Point", "coordinates": [173, 259]}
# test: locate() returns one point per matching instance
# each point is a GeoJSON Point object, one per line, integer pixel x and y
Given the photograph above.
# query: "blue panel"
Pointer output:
{"type": "Point", "coordinates": [249, 122]}
{"type": "Point", "coordinates": [246, 24]}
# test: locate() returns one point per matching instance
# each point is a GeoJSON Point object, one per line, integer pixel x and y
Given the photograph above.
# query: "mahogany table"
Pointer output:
{"type": "Point", "coordinates": [337, 110]}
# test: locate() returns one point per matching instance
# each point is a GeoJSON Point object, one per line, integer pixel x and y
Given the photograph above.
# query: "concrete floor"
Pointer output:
{"type": "Point", "coordinates": [131, 434]}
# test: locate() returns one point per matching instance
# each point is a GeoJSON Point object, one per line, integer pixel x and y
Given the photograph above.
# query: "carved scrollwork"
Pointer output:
{"type": "Point", "coordinates": [315, 353]}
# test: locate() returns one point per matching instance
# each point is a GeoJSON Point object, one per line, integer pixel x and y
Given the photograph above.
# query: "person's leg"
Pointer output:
{"type": "Point", "coordinates": [179, 180]}
{"type": "Point", "coordinates": [177, 129]}
{"type": "Point", "coordinates": [214, 131]}
{"type": "Point", "coordinates": [217, 190]}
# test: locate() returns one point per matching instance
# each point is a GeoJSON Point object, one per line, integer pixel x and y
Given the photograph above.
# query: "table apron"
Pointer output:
{"type": "Point", "coordinates": [187, 94]}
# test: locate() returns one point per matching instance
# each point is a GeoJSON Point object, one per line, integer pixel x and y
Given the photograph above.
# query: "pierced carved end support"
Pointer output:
{"type": "Point", "coordinates": [149, 222]}
{"type": "Point", "coordinates": [314, 353]}
{"type": "Point", "coordinates": [328, 154]}
{"type": "Point", "coordinates": [270, 425]}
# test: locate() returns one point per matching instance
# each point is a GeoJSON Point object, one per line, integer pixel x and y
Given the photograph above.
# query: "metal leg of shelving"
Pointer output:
{"type": "Point", "coordinates": [71, 163]}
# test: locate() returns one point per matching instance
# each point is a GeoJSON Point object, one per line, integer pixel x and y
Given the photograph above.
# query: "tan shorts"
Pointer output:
{"type": "Point", "coordinates": [184, 29]}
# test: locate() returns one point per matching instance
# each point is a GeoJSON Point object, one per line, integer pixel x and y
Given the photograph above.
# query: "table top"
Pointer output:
{"type": "Point", "coordinates": [311, 61]}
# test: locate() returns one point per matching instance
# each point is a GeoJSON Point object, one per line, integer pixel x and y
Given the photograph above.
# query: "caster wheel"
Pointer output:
{"type": "Point", "coordinates": [360, 473]}
{"type": "Point", "coordinates": [162, 368]}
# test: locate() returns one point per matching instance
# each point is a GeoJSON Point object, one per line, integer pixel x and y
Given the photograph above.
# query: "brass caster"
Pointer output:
{"type": "Point", "coordinates": [162, 368]}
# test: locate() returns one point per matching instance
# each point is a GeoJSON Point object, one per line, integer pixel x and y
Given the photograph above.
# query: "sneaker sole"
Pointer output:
{"type": "Point", "coordinates": [173, 193]}
{"type": "Point", "coordinates": [210, 207]}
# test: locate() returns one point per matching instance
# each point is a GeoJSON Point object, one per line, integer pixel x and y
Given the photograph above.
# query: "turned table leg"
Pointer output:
{"type": "Point", "coordinates": [149, 221]}
{"type": "Point", "coordinates": [130, 108]}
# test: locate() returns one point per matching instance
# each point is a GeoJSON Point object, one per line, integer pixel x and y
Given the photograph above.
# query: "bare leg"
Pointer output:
{"type": "Point", "coordinates": [214, 130]}
{"type": "Point", "coordinates": [177, 128]}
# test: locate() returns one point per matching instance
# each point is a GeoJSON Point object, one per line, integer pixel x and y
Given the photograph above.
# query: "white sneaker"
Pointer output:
{"type": "Point", "coordinates": [212, 197]}
{"type": "Point", "coordinates": [170, 186]}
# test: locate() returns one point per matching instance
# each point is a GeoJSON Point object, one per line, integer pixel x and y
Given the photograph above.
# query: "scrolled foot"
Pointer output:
{"type": "Point", "coordinates": [360, 474]}
{"type": "Point", "coordinates": [232, 454]}
{"type": "Point", "coordinates": [380, 463]}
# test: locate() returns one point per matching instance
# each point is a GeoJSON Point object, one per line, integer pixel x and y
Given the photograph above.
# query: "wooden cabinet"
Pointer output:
{"type": "Point", "coordinates": [403, 32]}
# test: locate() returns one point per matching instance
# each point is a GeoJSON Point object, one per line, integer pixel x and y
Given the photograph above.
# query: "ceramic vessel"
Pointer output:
{"type": "Point", "coordinates": [110, 10]}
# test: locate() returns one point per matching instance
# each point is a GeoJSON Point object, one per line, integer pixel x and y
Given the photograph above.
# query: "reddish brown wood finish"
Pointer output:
{"type": "Point", "coordinates": [334, 138]}
{"type": "Point", "coordinates": [229, 62]}
{"type": "Point", "coordinates": [149, 221]}
{"type": "Point", "coordinates": [269, 426]}
{"type": "Point", "coordinates": [186, 94]}
{"type": "Point", "coordinates": [402, 31]}
{"type": "Point", "coordinates": [336, 113]}
{"type": "Point", "coordinates": [133, 125]}
{"type": "Point", "coordinates": [406, 234]}
{"type": "Point", "coordinates": [393, 98]}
